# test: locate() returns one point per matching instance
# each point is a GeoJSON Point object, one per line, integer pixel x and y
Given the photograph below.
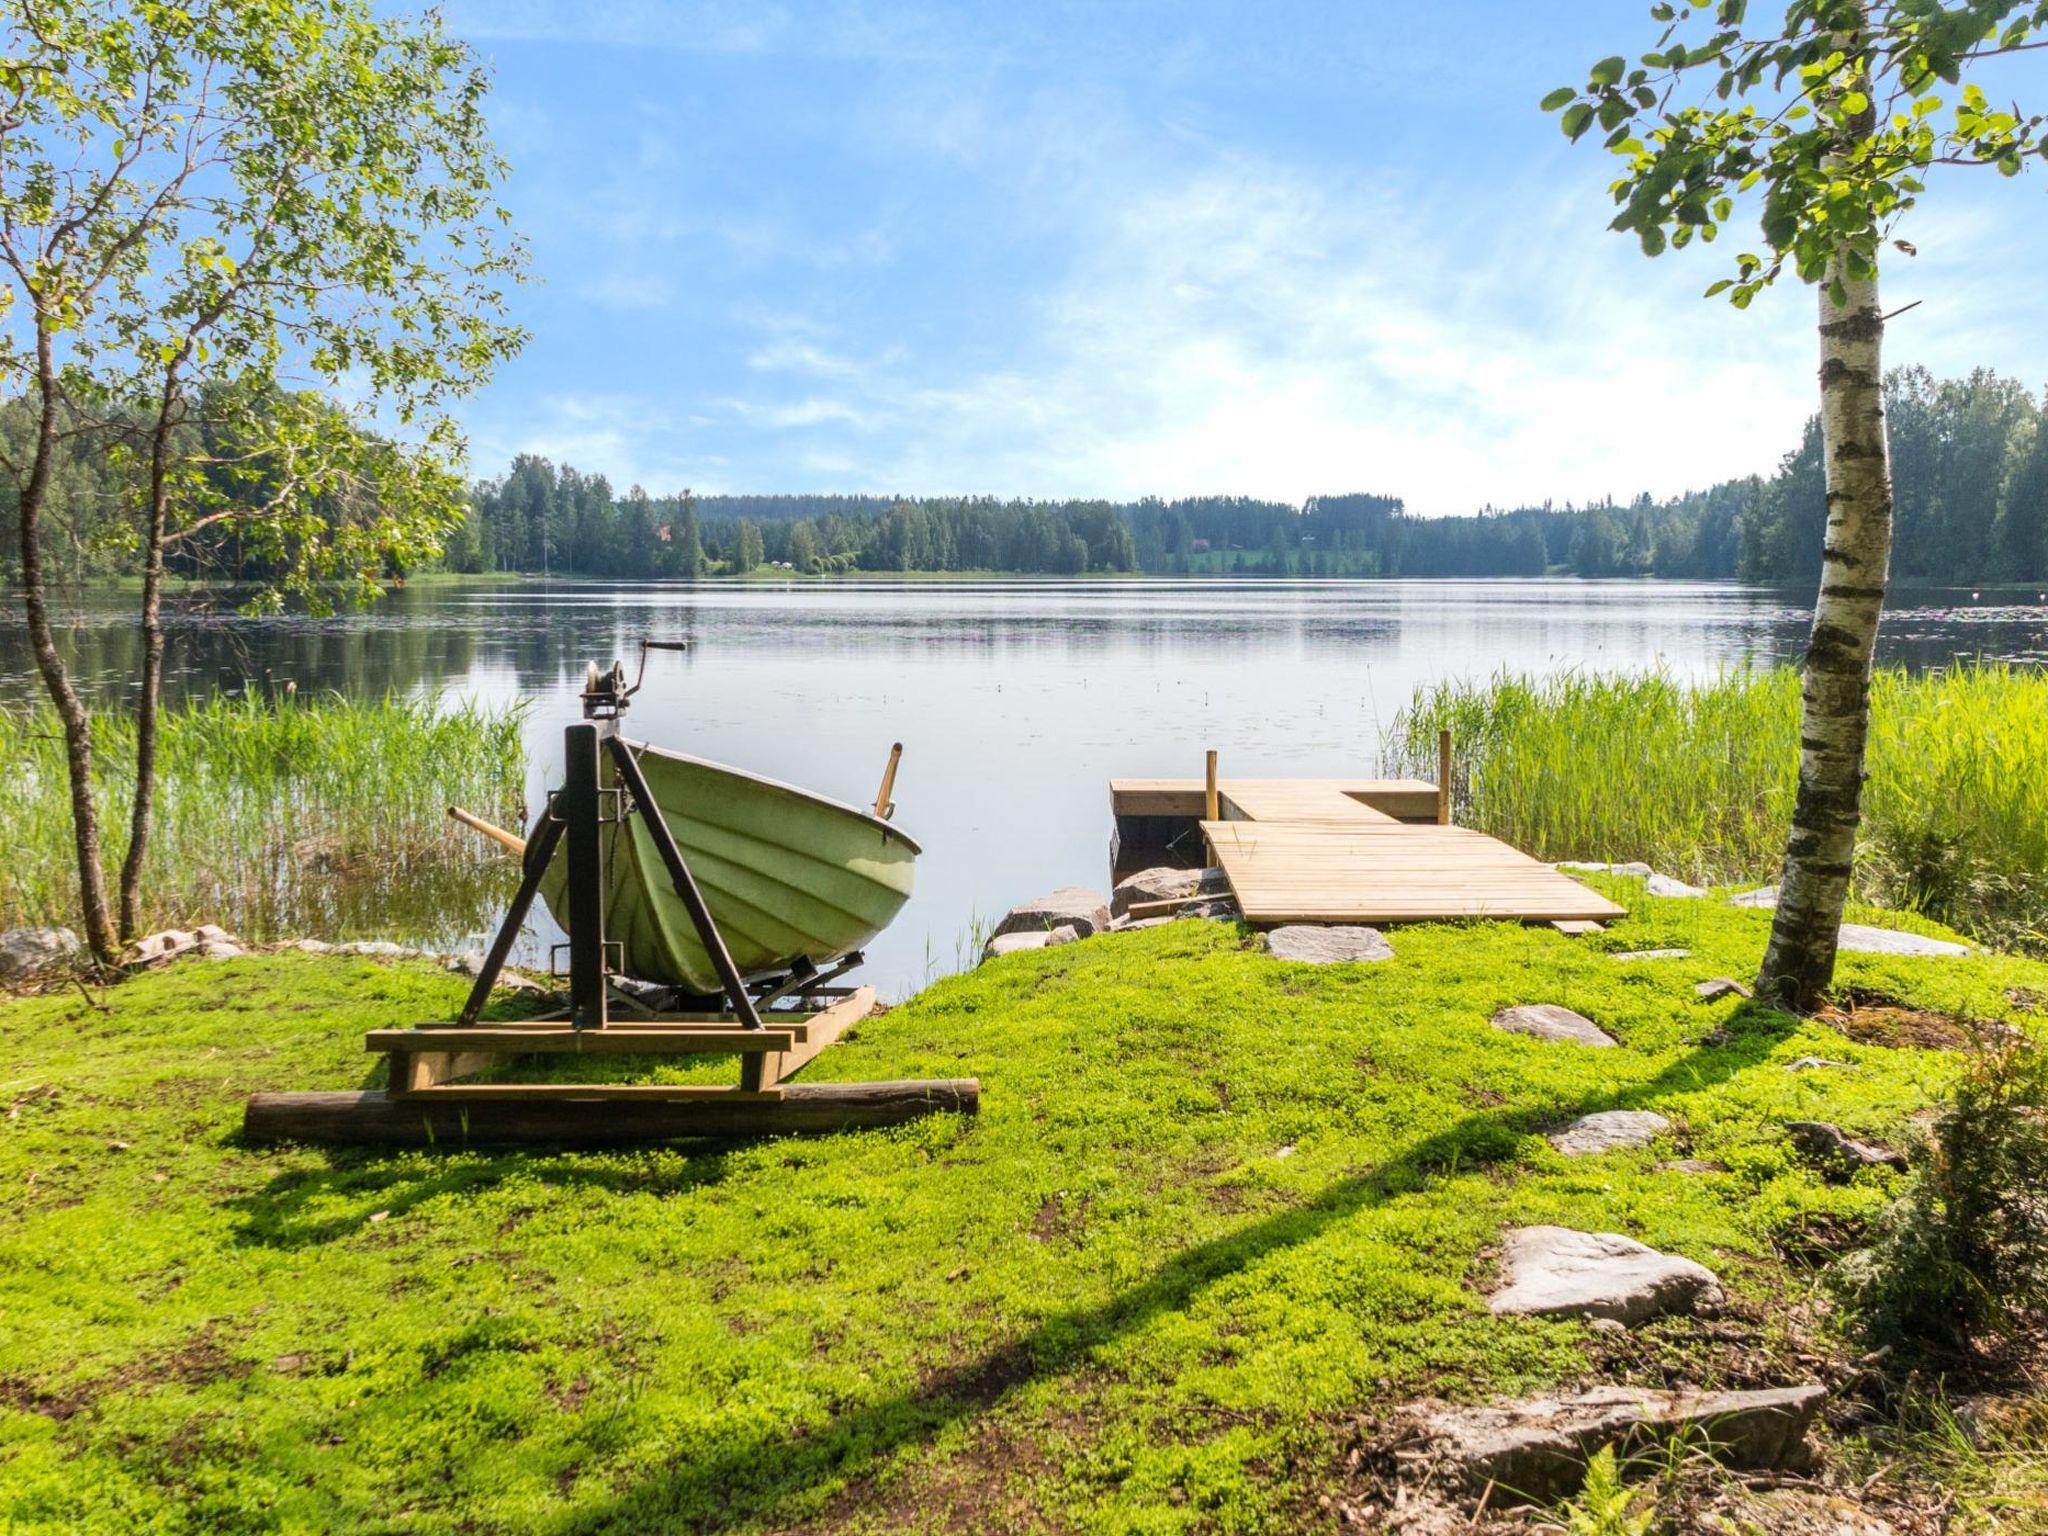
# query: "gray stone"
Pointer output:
{"type": "Point", "coordinates": [167, 945]}
{"type": "Point", "coordinates": [1653, 954]}
{"type": "Point", "coordinates": [1839, 1154]}
{"type": "Point", "coordinates": [1547, 1021]}
{"type": "Point", "coordinates": [1131, 924]}
{"type": "Point", "coordinates": [1609, 1131]}
{"type": "Point", "coordinates": [1014, 943]}
{"type": "Point", "coordinates": [381, 948]}
{"type": "Point", "coordinates": [311, 946]}
{"type": "Point", "coordinates": [1556, 1272]}
{"type": "Point", "coordinates": [1858, 939]}
{"type": "Point", "coordinates": [1720, 987]}
{"type": "Point", "coordinates": [1763, 896]}
{"type": "Point", "coordinates": [24, 952]}
{"type": "Point", "coordinates": [1219, 908]}
{"type": "Point", "coordinates": [1313, 945]}
{"type": "Point", "coordinates": [1665, 885]}
{"type": "Point", "coordinates": [221, 949]}
{"type": "Point", "coordinates": [213, 933]}
{"type": "Point", "coordinates": [1691, 1165]}
{"type": "Point", "coordinates": [1066, 933]}
{"type": "Point", "coordinates": [1084, 909]}
{"type": "Point", "coordinates": [1537, 1449]}
{"type": "Point", "coordinates": [471, 964]}
{"type": "Point", "coordinates": [1164, 884]}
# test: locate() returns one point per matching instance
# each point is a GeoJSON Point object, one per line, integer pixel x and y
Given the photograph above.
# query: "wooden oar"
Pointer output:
{"type": "Point", "coordinates": [496, 834]}
{"type": "Point", "coordinates": [883, 804]}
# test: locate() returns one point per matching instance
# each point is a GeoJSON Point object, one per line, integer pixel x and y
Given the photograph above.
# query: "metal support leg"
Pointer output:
{"type": "Point", "coordinates": [538, 855]}
{"type": "Point", "coordinates": [686, 888]}
{"type": "Point", "coordinates": [579, 802]}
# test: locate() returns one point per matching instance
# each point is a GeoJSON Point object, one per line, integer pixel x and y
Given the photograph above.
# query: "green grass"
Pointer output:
{"type": "Point", "coordinates": [1698, 779]}
{"type": "Point", "coordinates": [1215, 1207]}
{"type": "Point", "coordinates": [299, 816]}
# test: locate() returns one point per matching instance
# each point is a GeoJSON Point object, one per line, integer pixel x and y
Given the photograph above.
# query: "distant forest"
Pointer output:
{"type": "Point", "coordinates": [1969, 464]}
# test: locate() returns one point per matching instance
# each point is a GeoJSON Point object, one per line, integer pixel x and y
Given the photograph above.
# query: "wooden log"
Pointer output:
{"type": "Point", "coordinates": [1443, 778]}
{"type": "Point", "coordinates": [1212, 809]}
{"type": "Point", "coordinates": [884, 804]}
{"type": "Point", "coordinates": [563, 1039]}
{"type": "Point", "coordinates": [476, 823]}
{"type": "Point", "coordinates": [377, 1120]}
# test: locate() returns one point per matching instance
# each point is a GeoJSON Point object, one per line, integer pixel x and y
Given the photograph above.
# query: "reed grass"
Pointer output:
{"type": "Point", "coordinates": [318, 815]}
{"type": "Point", "coordinates": [1698, 778]}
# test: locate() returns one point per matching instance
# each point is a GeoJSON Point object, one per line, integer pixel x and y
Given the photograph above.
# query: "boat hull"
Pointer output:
{"type": "Point", "coordinates": [788, 875]}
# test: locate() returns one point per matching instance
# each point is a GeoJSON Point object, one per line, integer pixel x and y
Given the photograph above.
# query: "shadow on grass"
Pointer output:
{"type": "Point", "coordinates": [759, 1480]}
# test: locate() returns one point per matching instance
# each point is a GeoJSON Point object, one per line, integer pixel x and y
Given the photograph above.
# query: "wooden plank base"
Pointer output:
{"type": "Point", "coordinates": [371, 1119]}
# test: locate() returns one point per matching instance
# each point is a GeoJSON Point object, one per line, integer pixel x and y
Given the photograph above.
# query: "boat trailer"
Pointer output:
{"type": "Point", "coordinates": [428, 1102]}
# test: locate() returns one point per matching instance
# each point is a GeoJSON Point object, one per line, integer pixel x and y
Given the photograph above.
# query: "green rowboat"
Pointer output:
{"type": "Point", "coordinates": [788, 875]}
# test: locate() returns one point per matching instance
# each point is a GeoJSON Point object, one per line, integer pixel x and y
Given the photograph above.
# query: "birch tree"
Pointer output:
{"type": "Point", "coordinates": [1831, 119]}
{"type": "Point", "coordinates": [208, 212]}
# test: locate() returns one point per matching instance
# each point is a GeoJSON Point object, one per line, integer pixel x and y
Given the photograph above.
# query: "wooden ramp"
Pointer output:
{"type": "Point", "coordinates": [1360, 851]}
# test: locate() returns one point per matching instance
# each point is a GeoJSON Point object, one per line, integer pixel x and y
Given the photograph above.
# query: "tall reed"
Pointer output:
{"type": "Point", "coordinates": [317, 815]}
{"type": "Point", "coordinates": [1698, 778]}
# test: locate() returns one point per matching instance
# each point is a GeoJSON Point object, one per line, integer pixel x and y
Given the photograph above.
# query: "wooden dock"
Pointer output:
{"type": "Point", "coordinates": [1356, 851]}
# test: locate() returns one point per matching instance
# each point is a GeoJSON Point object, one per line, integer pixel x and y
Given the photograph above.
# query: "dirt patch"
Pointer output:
{"type": "Point", "coordinates": [1871, 1018]}
{"type": "Point", "coordinates": [2027, 999]}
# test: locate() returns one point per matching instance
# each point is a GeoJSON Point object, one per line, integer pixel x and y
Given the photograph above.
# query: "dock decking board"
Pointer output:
{"type": "Point", "coordinates": [1360, 851]}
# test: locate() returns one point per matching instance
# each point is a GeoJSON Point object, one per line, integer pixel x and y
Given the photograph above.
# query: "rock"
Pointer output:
{"type": "Point", "coordinates": [1221, 908]}
{"type": "Point", "coordinates": [1665, 885]}
{"type": "Point", "coordinates": [221, 949]}
{"type": "Point", "coordinates": [1857, 939]}
{"type": "Point", "coordinates": [24, 952]}
{"type": "Point", "coordinates": [1720, 987]}
{"type": "Point", "coordinates": [1691, 1165]}
{"type": "Point", "coordinates": [1547, 1021]}
{"type": "Point", "coordinates": [1654, 883]}
{"type": "Point", "coordinates": [1066, 933]}
{"type": "Point", "coordinates": [1609, 1131]}
{"type": "Point", "coordinates": [1537, 1449]}
{"type": "Point", "coordinates": [382, 948]}
{"type": "Point", "coordinates": [471, 964]}
{"type": "Point", "coordinates": [1131, 924]}
{"type": "Point", "coordinates": [1652, 954]}
{"type": "Point", "coordinates": [213, 933]}
{"type": "Point", "coordinates": [1072, 904]}
{"type": "Point", "coordinates": [1837, 1152]}
{"type": "Point", "coordinates": [1807, 1512]}
{"type": "Point", "coordinates": [167, 945]}
{"type": "Point", "coordinates": [1314, 945]}
{"type": "Point", "coordinates": [1763, 896]}
{"type": "Point", "coordinates": [1013, 943]}
{"type": "Point", "coordinates": [1556, 1272]}
{"type": "Point", "coordinates": [311, 946]}
{"type": "Point", "coordinates": [1164, 884]}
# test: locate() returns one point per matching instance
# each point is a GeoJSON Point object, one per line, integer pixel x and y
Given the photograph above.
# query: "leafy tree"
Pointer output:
{"type": "Point", "coordinates": [196, 204]}
{"type": "Point", "coordinates": [1835, 111]}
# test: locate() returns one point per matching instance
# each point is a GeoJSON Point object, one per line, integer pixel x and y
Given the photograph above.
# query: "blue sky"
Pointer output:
{"type": "Point", "coordinates": [1111, 249]}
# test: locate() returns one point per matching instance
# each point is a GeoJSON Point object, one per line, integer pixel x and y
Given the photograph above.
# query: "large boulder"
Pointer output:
{"type": "Point", "coordinates": [1165, 884]}
{"type": "Point", "coordinates": [1557, 1272]}
{"type": "Point", "coordinates": [1014, 943]}
{"type": "Point", "coordinates": [1547, 1021]}
{"type": "Point", "coordinates": [167, 945]}
{"type": "Point", "coordinates": [1537, 1449]}
{"type": "Point", "coordinates": [1335, 944]}
{"type": "Point", "coordinates": [1071, 906]}
{"type": "Point", "coordinates": [26, 952]}
{"type": "Point", "coordinates": [1609, 1131]}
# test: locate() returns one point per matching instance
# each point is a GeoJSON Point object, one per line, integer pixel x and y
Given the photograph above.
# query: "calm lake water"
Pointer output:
{"type": "Point", "coordinates": [1016, 701]}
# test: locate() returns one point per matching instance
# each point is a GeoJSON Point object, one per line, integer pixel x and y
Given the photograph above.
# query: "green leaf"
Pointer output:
{"type": "Point", "coordinates": [1653, 240]}
{"type": "Point", "coordinates": [1577, 119]}
{"type": "Point", "coordinates": [1720, 287]}
{"type": "Point", "coordinates": [1558, 98]}
{"type": "Point", "coordinates": [1608, 70]}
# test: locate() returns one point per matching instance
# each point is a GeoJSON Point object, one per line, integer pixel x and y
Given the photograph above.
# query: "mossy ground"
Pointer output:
{"type": "Point", "coordinates": [1215, 1208]}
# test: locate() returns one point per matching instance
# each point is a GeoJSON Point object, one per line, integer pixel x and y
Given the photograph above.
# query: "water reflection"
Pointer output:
{"type": "Point", "coordinates": [1015, 700]}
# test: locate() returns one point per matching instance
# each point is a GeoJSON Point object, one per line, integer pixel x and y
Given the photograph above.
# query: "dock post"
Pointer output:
{"type": "Point", "coordinates": [580, 803]}
{"type": "Point", "coordinates": [1443, 778]}
{"type": "Point", "coordinates": [1212, 809]}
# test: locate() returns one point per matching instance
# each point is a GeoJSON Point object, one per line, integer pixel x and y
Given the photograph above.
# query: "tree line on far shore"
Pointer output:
{"type": "Point", "coordinates": [1969, 463]}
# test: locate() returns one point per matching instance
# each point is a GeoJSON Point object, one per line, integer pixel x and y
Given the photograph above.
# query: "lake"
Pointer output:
{"type": "Point", "coordinates": [1016, 700]}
